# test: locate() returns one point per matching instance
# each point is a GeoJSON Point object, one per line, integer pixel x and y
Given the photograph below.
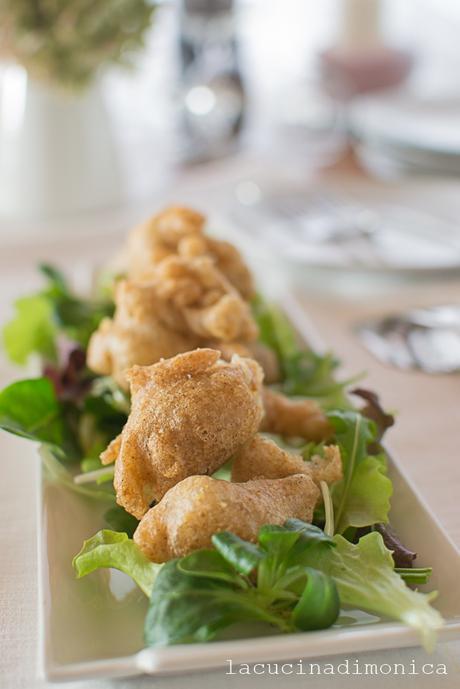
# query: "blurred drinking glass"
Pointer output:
{"type": "Point", "coordinates": [211, 90]}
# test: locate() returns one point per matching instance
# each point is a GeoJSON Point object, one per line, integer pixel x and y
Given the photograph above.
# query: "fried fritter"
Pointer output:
{"type": "Point", "coordinates": [187, 302]}
{"type": "Point", "coordinates": [264, 356]}
{"type": "Point", "coordinates": [263, 458]}
{"type": "Point", "coordinates": [189, 415]}
{"type": "Point", "coordinates": [136, 335]}
{"type": "Point", "coordinates": [209, 304]}
{"type": "Point", "coordinates": [294, 417]}
{"type": "Point", "coordinates": [179, 231]}
{"type": "Point", "coordinates": [200, 506]}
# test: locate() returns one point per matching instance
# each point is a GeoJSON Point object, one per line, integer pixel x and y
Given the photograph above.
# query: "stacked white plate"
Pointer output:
{"type": "Point", "coordinates": [406, 131]}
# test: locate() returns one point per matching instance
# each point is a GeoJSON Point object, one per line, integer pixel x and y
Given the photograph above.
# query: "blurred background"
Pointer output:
{"type": "Point", "coordinates": [323, 138]}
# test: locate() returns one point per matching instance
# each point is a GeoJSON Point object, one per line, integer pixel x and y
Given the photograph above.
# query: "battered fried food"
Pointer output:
{"type": "Point", "coordinates": [179, 231]}
{"type": "Point", "coordinates": [209, 304]}
{"type": "Point", "coordinates": [136, 335]}
{"type": "Point", "coordinates": [294, 418]}
{"type": "Point", "coordinates": [265, 356]}
{"type": "Point", "coordinates": [200, 506]}
{"type": "Point", "coordinates": [189, 415]}
{"type": "Point", "coordinates": [263, 458]}
{"type": "Point", "coordinates": [187, 302]}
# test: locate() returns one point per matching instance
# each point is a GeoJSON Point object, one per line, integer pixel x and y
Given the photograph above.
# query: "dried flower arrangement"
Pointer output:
{"type": "Point", "coordinates": [65, 42]}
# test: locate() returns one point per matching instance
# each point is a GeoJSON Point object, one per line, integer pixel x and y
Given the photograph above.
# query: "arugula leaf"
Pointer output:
{"type": "Point", "coordinates": [365, 577]}
{"type": "Point", "coordinates": [110, 549]}
{"type": "Point", "coordinates": [29, 408]}
{"type": "Point", "coordinates": [57, 283]}
{"type": "Point", "coordinates": [305, 373]}
{"type": "Point", "coordinates": [362, 497]}
{"type": "Point", "coordinates": [78, 317]}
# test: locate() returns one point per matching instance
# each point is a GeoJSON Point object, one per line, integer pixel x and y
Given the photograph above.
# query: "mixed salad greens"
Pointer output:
{"type": "Point", "coordinates": [297, 576]}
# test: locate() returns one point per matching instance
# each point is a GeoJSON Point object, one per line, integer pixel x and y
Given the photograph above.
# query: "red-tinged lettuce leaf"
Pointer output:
{"type": "Point", "coordinates": [374, 410]}
{"type": "Point", "coordinates": [402, 556]}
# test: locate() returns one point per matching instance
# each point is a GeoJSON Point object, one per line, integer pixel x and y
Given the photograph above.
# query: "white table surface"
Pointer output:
{"type": "Point", "coordinates": [437, 476]}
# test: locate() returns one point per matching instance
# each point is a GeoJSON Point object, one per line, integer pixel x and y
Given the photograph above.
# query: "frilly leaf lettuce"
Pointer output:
{"type": "Point", "coordinates": [362, 497]}
{"type": "Point", "coordinates": [52, 311]}
{"type": "Point", "coordinates": [368, 498]}
{"type": "Point", "coordinates": [31, 330]}
{"type": "Point", "coordinates": [365, 578]}
{"type": "Point", "coordinates": [111, 549]}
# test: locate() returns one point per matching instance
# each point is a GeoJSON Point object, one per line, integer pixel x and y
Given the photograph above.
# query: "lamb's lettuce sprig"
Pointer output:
{"type": "Point", "coordinates": [294, 578]}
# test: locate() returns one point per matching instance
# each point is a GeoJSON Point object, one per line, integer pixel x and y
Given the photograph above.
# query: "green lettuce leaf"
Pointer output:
{"type": "Point", "coordinates": [368, 498]}
{"type": "Point", "coordinates": [77, 317]}
{"type": "Point", "coordinates": [41, 317]}
{"type": "Point", "coordinates": [29, 408]}
{"type": "Point", "coordinates": [198, 595]}
{"type": "Point", "coordinates": [362, 497]}
{"type": "Point", "coordinates": [57, 473]}
{"type": "Point", "coordinates": [31, 330]}
{"type": "Point", "coordinates": [241, 555]}
{"type": "Point", "coordinates": [305, 373]}
{"type": "Point", "coordinates": [111, 549]}
{"type": "Point", "coordinates": [365, 578]}
{"type": "Point", "coordinates": [120, 520]}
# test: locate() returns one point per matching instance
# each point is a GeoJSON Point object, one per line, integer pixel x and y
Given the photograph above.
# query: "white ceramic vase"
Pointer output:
{"type": "Point", "coordinates": [57, 153]}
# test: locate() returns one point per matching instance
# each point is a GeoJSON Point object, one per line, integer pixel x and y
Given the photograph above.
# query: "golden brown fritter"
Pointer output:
{"type": "Point", "coordinates": [179, 231]}
{"type": "Point", "coordinates": [264, 356]}
{"type": "Point", "coordinates": [263, 458]}
{"type": "Point", "coordinates": [200, 506]}
{"type": "Point", "coordinates": [189, 415]}
{"type": "Point", "coordinates": [294, 417]}
{"type": "Point", "coordinates": [187, 302]}
{"type": "Point", "coordinates": [210, 305]}
{"type": "Point", "coordinates": [138, 334]}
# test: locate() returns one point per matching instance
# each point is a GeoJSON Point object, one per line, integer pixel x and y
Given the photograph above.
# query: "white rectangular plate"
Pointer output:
{"type": "Point", "coordinates": [92, 629]}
